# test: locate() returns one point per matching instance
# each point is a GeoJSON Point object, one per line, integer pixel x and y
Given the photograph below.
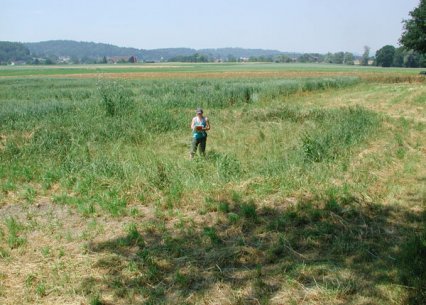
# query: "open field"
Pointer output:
{"type": "Point", "coordinates": [312, 190]}
{"type": "Point", "coordinates": [160, 69]}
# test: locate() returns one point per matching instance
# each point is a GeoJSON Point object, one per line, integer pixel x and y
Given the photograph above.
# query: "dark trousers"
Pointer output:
{"type": "Point", "coordinates": [194, 145]}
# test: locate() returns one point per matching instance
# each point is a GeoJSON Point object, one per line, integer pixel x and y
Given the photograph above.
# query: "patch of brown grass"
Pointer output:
{"type": "Point", "coordinates": [367, 76]}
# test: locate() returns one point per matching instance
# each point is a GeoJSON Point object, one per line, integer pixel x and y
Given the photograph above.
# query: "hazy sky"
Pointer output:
{"type": "Point", "coordinates": [286, 25]}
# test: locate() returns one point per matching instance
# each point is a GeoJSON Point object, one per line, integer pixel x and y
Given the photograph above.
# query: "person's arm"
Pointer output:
{"type": "Point", "coordinates": [192, 123]}
{"type": "Point", "coordinates": [207, 124]}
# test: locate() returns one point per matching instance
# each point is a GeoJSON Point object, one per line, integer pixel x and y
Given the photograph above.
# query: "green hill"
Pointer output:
{"type": "Point", "coordinates": [13, 51]}
{"type": "Point", "coordinates": [80, 50]}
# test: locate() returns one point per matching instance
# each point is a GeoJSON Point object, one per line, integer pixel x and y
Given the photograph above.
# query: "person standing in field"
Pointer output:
{"type": "Point", "coordinates": [199, 125]}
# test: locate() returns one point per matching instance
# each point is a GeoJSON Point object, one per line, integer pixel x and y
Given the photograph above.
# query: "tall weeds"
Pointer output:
{"type": "Point", "coordinates": [129, 141]}
{"type": "Point", "coordinates": [116, 99]}
{"type": "Point", "coordinates": [338, 131]}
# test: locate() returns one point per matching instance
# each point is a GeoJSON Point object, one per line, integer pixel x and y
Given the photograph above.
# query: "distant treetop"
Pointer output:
{"type": "Point", "coordinates": [414, 35]}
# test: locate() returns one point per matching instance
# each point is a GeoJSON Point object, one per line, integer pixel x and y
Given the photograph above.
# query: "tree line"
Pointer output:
{"type": "Point", "coordinates": [390, 56]}
{"type": "Point", "coordinates": [13, 51]}
{"type": "Point", "coordinates": [413, 40]}
{"type": "Point", "coordinates": [334, 58]}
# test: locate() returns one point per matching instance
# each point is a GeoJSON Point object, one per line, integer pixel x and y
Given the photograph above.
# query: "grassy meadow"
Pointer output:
{"type": "Point", "coordinates": [312, 190]}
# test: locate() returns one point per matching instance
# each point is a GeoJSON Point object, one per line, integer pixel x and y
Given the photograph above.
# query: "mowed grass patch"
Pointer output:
{"type": "Point", "coordinates": [395, 100]}
{"type": "Point", "coordinates": [332, 250]}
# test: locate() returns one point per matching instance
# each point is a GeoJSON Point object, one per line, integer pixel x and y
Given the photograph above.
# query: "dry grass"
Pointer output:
{"type": "Point", "coordinates": [400, 100]}
{"type": "Point", "coordinates": [378, 77]}
{"type": "Point", "coordinates": [54, 256]}
{"type": "Point", "coordinates": [73, 258]}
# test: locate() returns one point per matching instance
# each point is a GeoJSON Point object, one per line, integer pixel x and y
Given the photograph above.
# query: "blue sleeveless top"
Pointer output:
{"type": "Point", "coordinates": [199, 134]}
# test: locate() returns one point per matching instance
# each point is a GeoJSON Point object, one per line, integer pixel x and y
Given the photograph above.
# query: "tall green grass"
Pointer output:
{"type": "Point", "coordinates": [116, 99]}
{"type": "Point", "coordinates": [108, 143]}
{"type": "Point", "coordinates": [339, 130]}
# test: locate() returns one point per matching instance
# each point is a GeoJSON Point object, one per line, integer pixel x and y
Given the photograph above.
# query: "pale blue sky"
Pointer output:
{"type": "Point", "coordinates": [297, 25]}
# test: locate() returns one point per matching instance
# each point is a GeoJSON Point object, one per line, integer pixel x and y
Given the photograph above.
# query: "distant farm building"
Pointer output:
{"type": "Point", "coordinates": [122, 59]}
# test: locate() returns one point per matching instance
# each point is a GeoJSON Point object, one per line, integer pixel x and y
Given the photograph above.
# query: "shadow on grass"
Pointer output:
{"type": "Point", "coordinates": [342, 248]}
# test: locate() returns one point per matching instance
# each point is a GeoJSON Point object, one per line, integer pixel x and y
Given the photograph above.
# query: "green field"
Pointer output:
{"type": "Point", "coordinates": [312, 190]}
{"type": "Point", "coordinates": [161, 68]}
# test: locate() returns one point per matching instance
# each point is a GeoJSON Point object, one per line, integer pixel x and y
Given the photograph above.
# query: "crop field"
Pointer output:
{"type": "Point", "coordinates": [312, 190]}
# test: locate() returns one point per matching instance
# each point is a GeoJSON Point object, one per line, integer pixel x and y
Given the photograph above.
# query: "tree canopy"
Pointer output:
{"type": "Point", "coordinates": [414, 34]}
{"type": "Point", "coordinates": [385, 56]}
{"type": "Point", "coordinates": [12, 51]}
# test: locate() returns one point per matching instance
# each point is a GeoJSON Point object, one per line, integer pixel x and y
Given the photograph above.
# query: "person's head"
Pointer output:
{"type": "Point", "coordinates": [199, 111]}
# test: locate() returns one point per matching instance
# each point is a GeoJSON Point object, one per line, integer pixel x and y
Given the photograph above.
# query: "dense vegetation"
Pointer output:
{"type": "Point", "coordinates": [79, 50]}
{"type": "Point", "coordinates": [13, 51]}
{"type": "Point", "coordinates": [134, 114]}
{"type": "Point", "coordinates": [414, 35]}
{"type": "Point", "coordinates": [412, 53]}
{"type": "Point", "coordinates": [65, 51]}
{"type": "Point", "coordinates": [89, 52]}
{"type": "Point", "coordinates": [389, 56]}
